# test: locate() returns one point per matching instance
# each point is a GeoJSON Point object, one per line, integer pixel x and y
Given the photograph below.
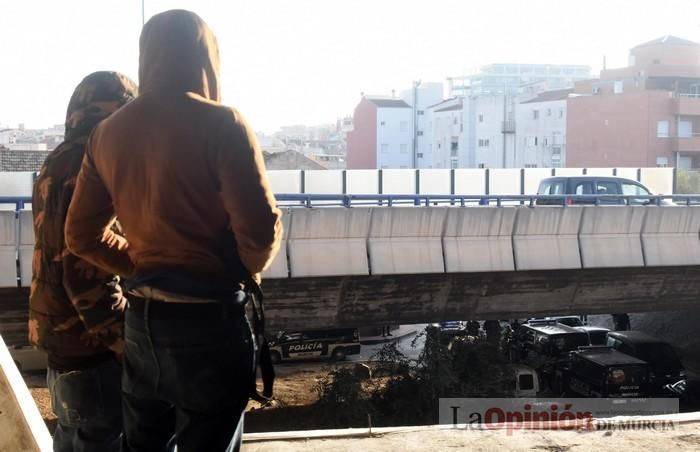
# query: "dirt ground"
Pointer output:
{"type": "Point", "coordinates": [293, 394]}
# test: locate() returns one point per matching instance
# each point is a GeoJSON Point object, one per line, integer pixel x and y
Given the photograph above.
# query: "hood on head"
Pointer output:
{"type": "Point", "coordinates": [97, 96]}
{"type": "Point", "coordinates": [179, 53]}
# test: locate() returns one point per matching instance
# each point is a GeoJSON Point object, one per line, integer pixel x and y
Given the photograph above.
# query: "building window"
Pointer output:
{"type": "Point", "coordinates": [546, 141]}
{"type": "Point", "coordinates": [618, 87]}
{"type": "Point", "coordinates": [403, 126]}
{"type": "Point", "coordinates": [419, 155]}
{"type": "Point", "coordinates": [549, 112]}
{"type": "Point", "coordinates": [481, 118]}
{"type": "Point", "coordinates": [382, 123]}
{"type": "Point", "coordinates": [403, 167]}
{"type": "Point", "coordinates": [420, 112]}
{"type": "Point", "coordinates": [419, 133]}
{"type": "Point", "coordinates": [404, 149]}
{"type": "Point", "coordinates": [535, 141]}
{"type": "Point", "coordinates": [561, 113]}
{"type": "Point", "coordinates": [531, 165]}
{"type": "Point", "coordinates": [662, 129]}
{"type": "Point", "coordinates": [535, 114]}
{"type": "Point", "coordinates": [454, 163]}
{"type": "Point", "coordinates": [454, 120]}
{"type": "Point", "coordinates": [385, 148]}
{"type": "Point", "coordinates": [481, 165]}
{"type": "Point", "coordinates": [483, 142]}
{"type": "Point", "coordinates": [662, 162]}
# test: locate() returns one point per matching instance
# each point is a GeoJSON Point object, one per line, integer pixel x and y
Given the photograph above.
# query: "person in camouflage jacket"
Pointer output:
{"type": "Point", "coordinates": [76, 310]}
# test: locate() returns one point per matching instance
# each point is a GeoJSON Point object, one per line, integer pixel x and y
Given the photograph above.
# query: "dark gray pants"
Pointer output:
{"type": "Point", "coordinates": [88, 407]}
{"type": "Point", "coordinates": [187, 377]}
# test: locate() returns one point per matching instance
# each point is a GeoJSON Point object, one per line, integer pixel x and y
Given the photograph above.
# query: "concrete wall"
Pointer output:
{"type": "Point", "coordinates": [406, 240]}
{"type": "Point", "coordinates": [610, 236]}
{"type": "Point", "coordinates": [8, 249]}
{"type": "Point", "coordinates": [670, 236]}
{"type": "Point", "coordinates": [479, 239]}
{"type": "Point", "coordinates": [328, 242]}
{"type": "Point", "coordinates": [547, 238]}
{"type": "Point", "coordinates": [26, 247]}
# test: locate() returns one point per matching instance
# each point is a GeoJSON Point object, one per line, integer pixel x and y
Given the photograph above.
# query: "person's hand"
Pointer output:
{"type": "Point", "coordinates": [119, 301]}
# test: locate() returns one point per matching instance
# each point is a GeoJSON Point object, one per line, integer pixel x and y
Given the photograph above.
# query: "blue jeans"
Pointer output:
{"type": "Point", "coordinates": [187, 378]}
{"type": "Point", "coordinates": [87, 404]}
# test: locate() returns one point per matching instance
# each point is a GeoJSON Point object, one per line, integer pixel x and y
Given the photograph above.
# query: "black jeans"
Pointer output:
{"type": "Point", "coordinates": [88, 407]}
{"type": "Point", "coordinates": [187, 378]}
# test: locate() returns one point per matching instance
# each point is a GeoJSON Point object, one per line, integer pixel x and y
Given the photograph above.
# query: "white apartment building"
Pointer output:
{"type": "Point", "coordinates": [474, 132]}
{"type": "Point", "coordinates": [541, 131]}
{"type": "Point", "coordinates": [421, 97]}
{"type": "Point", "coordinates": [382, 134]}
{"type": "Point", "coordinates": [394, 135]}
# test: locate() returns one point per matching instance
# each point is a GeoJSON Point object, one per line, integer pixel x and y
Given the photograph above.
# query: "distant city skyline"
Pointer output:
{"type": "Point", "coordinates": [306, 62]}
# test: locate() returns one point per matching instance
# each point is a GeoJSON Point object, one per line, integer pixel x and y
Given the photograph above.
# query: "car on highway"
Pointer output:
{"type": "Point", "coordinates": [597, 371]}
{"type": "Point", "coordinates": [335, 344]}
{"type": "Point", "coordinates": [588, 187]}
{"type": "Point", "coordinates": [666, 366]}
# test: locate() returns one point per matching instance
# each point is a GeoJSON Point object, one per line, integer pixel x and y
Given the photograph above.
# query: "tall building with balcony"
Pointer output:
{"type": "Point", "coordinates": [646, 114]}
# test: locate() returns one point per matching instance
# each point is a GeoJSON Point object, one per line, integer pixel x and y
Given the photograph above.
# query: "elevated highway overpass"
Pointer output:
{"type": "Point", "coordinates": [351, 260]}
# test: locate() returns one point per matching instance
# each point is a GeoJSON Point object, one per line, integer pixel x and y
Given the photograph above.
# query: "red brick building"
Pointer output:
{"type": "Point", "coordinates": [647, 114]}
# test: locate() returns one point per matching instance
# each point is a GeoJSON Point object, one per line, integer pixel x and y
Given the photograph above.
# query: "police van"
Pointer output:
{"type": "Point", "coordinates": [335, 344]}
{"type": "Point", "coordinates": [599, 371]}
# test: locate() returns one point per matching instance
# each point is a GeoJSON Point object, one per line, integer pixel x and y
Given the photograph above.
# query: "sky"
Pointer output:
{"type": "Point", "coordinates": [307, 62]}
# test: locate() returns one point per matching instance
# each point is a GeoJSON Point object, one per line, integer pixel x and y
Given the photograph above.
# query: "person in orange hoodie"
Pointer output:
{"type": "Point", "coordinates": [186, 178]}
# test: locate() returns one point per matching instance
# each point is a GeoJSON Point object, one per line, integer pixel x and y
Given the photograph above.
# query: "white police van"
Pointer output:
{"type": "Point", "coordinates": [336, 344]}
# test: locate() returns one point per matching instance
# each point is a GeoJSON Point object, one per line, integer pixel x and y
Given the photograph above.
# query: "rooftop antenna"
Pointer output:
{"type": "Point", "coordinates": [604, 63]}
{"type": "Point", "coordinates": [143, 12]}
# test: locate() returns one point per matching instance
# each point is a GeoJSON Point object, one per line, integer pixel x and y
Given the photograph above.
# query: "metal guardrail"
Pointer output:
{"type": "Point", "coordinates": [18, 201]}
{"type": "Point", "coordinates": [349, 200]}
{"type": "Point", "coordinates": [387, 200]}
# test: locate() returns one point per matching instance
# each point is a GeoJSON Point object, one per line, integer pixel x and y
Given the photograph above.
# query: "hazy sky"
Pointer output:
{"type": "Point", "coordinates": [307, 61]}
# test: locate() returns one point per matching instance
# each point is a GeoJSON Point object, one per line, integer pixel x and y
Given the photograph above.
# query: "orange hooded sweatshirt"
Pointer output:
{"type": "Point", "coordinates": [183, 173]}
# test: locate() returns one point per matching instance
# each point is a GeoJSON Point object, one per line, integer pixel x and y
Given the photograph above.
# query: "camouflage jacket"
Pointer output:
{"type": "Point", "coordinates": [76, 310]}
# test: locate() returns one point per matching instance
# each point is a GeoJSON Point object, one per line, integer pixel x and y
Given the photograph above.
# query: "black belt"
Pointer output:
{"type": "Point", "coordinates": [177, 310]}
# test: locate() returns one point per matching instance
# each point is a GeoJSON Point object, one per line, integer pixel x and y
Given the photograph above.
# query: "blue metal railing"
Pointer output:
{"type": "Point", "coordinates": [18, 201]}
{"type": "Point", "coordinates": [350, 200]}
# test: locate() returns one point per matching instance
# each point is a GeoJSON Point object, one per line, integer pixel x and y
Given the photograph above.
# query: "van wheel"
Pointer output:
{"type": "Point", "coordinates": [338, 354]}
{"type": "Point", "coordinates": [275, 357]}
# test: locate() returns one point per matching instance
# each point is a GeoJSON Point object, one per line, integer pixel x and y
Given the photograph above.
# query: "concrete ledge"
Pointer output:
{"type": "Point", "coordinates": [21, 425]}
{"type": "Point", "coordinates": [683, 436]}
